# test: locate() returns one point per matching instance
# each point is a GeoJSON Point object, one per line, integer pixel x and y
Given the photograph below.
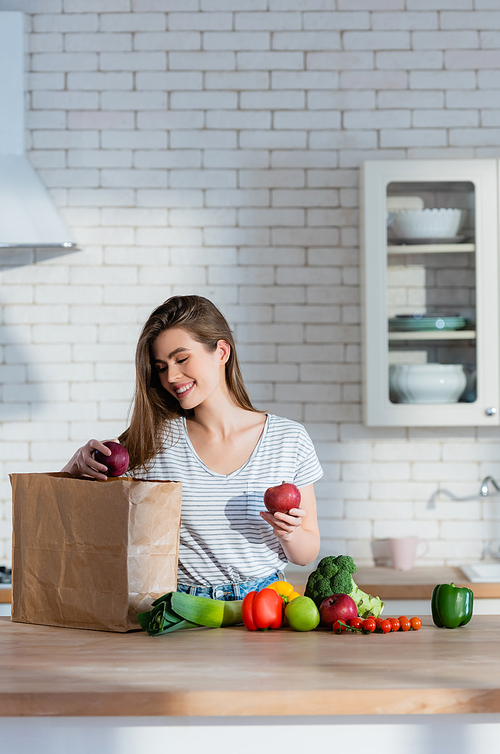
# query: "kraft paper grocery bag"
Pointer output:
{"type": "Point", "coordinates": [92, 554]}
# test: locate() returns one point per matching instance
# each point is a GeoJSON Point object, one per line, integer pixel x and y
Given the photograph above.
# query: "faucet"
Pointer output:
{"type": "Point", "coordinates": [485, 492]}
{"type": "Point", "coordinates": [484, 485]}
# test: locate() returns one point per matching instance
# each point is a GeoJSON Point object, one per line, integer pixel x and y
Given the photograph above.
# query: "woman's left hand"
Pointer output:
{"type": "Point", "coordinates": [284, 524]}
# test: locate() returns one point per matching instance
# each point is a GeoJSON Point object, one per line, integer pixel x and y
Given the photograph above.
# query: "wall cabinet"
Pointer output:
{"type": "Point", "coordinates": [430, 278]}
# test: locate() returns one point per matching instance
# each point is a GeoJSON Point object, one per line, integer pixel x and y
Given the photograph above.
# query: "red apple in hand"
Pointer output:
{"type": "Point", "coordinates": [117, 462]}
{"type": "Point", "coordinates": [282, 498]}
{"type": "Point", "coordinates": [337, 607]}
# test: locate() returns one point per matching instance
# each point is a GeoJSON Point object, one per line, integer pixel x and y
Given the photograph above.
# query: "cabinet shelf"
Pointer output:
{"type": "Point", "coordinates": [434, 248]}
{"type": "Point", "coordinates": [431, 335]}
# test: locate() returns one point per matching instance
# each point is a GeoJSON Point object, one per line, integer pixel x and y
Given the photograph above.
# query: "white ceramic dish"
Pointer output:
{"type": "Point", "coordinates": [427, 223]}
{"type": "Point", "coordinates": [427, 383]}
{"type": "Point", "coordinates": [426, 241]}
{"type": "Point", "coordinates": [482, 572]}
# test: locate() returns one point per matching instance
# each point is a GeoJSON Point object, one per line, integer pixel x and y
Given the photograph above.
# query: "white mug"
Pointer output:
{"type": "Point", "coordinates": [404, 552]}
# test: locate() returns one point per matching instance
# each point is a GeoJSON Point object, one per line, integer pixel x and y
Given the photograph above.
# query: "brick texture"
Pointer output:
{"type": "Point", "coordinates": [212, 147]}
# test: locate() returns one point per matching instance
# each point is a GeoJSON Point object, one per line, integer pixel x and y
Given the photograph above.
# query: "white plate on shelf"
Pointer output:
{"type": "Point", "coordinates": [426, 241]}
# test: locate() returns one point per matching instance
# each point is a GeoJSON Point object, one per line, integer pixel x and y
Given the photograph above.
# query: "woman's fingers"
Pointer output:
{"type": "Point", "coordinates": [293, 513]}
{"type": "Point", "coordinates": [98, 445]}
{"type": "Point", "coordinates": [84, 464]}
{"type": "Point", "coordinates": [87, 463]}
{"type": "Point", "coordinates": [290, 522]}
{"type": "Point", "coordinates": [283, 523]}
{"type": "Point", "coordinates": [98, 471]}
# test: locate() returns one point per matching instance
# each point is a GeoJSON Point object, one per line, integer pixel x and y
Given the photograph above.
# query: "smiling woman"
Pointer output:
{"type": "Point", "coordinates": [193, 422]}
{"type": "Point", "coordinates": [189, 367]}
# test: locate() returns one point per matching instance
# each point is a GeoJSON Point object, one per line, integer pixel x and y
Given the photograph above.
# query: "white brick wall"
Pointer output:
{"type": "Point", "coordinates": [212, 147]}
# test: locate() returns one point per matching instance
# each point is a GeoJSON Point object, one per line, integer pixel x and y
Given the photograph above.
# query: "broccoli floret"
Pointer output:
{"type": "Point", "coordinates": [333, 576]}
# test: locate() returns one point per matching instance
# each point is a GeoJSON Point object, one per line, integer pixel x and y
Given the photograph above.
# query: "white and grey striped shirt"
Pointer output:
{"type": "Point", "coordinates": [223, 539]}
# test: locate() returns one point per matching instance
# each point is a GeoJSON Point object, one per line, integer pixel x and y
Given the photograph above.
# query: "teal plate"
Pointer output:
{"type": "Point", "coordinates": [427, 323]}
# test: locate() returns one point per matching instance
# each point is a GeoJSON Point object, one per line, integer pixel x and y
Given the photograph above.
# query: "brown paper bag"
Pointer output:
{"type": "Point", "coordinates": [92, 554]}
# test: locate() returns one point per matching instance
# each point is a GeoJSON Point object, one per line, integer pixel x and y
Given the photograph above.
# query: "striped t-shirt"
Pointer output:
{"type": "Point", "coordinates": [222, 538]}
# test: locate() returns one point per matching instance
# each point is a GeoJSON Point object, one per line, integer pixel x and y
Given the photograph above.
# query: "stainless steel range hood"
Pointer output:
{"type": "Point", "coordinates": [28, 217]}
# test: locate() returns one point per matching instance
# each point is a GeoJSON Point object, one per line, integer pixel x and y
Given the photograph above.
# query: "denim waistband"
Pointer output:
{"type": "Point", "coordinates": [231, 591]}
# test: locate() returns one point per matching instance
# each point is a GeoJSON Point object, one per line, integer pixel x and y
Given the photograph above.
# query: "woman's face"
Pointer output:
{"type": "Point", "coordinates": [187, 370]}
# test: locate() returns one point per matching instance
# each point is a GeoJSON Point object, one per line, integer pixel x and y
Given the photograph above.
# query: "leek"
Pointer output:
{"type": "Point", "coordinates": [232, 613]}
{"type": "Point", "coordinates": [201, 610]}
{"type": "Point", "coordinates": [175, 611]}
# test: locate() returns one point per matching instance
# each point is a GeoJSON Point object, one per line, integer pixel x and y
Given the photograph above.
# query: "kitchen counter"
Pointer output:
{"type": "Point", "coordinates": [49, 671]}
{"type": "Point", "coordinates": [419, 583]}
{"type": "Point", "coordinates": [5, 594]}
{"type": "Point", "coordinates": [387, 583]}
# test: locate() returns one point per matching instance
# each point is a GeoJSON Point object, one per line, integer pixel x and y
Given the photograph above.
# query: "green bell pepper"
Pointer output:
{"type": "Point", "coordinates": [451, 605]}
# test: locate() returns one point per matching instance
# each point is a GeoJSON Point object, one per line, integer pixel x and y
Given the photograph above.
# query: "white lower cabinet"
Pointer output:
{"type": "Point", "coordinates": [294, 734]}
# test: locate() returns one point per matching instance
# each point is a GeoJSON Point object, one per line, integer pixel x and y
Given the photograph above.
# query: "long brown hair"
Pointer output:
{"type": "Point", "coordinates": [153, 407]}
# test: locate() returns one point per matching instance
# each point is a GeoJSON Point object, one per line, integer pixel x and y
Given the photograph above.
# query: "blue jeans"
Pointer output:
{"type": "Point", "coordinates": [231, 591]}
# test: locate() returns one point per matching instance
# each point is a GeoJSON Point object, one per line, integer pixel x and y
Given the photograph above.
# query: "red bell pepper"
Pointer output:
{"type": "Point", "coordinates": [262, 610]}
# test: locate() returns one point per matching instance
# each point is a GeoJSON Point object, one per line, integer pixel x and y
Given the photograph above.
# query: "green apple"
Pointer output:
{"type": "Point", "coordinates": [302, 614]}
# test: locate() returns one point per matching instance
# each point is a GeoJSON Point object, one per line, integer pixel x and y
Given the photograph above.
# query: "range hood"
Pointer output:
{"type": "Point", "coordinates": [28, 217]}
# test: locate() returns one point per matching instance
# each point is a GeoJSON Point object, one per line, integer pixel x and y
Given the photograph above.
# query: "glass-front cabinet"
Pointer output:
{"type": "Point", "coordinates": [429, 238]}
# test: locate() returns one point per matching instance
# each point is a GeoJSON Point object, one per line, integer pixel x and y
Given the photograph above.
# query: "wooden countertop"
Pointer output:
{"type": "Point", "coordinates": [388, 584]}
{"type": "Point", "coordinates": [5, 593]}
{"type": "Point", "coordinates": [49, 671]}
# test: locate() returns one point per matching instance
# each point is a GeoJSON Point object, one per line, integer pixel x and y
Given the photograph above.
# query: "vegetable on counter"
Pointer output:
{"type": "Point", "coordinates": [337, 607]}
{"type": "Point", "coordinates": [285, 589]}
{"type": "Point", "coordinates": [377, 625]}
{"type": "Point", "coordinates": [333, 576]}
{"type": "Point", "coordinates": [262, 610]}
{"type": "Point", "coordinates": [451, 605]}
{"type": "Point", "coordinates": [302, 614]}
{"type": "Point", "coordinates": [175, 611]}
{"type": "Point", "coordinates": [369, 625]}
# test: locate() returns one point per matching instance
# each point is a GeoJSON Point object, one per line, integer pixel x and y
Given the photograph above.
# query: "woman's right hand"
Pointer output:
{"type": "Point", "coordinates": [83, 463]}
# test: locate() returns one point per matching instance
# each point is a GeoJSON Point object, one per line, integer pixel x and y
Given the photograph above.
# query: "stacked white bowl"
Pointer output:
{"type": "Point", "coordinates": [427, 223]}
{"type": "Point", "coordinates": [427, 383]}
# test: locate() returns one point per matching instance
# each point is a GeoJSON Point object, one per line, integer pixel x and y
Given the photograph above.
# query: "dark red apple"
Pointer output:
{"type": "Point", "coordinates": [117, 462]}
{"type": "Point", "coordinates": [337, 607]}
{"type": "Point", "coordinates": [282, 498]}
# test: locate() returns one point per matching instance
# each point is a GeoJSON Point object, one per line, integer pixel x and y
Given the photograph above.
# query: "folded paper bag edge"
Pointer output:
{"type": "Point", "coordinates": [66, 475]}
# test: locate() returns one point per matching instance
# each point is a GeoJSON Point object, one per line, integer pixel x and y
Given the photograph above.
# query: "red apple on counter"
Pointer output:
{"type": "Point", "coordinates": [282, 498]}
{"type": "Point", "coordinates": [337, 607]}
{"type": "Point", "coordinates": [117, 462]}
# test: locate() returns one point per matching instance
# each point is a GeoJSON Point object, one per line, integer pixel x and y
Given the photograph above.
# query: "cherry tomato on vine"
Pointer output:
{"type": "Point", "coordinates": [378, 621]}
{"type": "Point", "coordinates": [405, 623]}
{"type": "Point", "coordinates": [338, 628]}
{"type": "Point", "coordinates": [395, 623]}
{"type": "Point", "coordinates": [386, 626]}
{"type": "Point", "coordinates": [369, 625]}
{"type": "Point", "coordinates": [356, 622]}
{"type": "Point", "coordinates": [415, 623]}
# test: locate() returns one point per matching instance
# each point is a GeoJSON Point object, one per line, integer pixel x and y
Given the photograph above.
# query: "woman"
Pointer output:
{"type": "Point", "coordinates": [193, 422]}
